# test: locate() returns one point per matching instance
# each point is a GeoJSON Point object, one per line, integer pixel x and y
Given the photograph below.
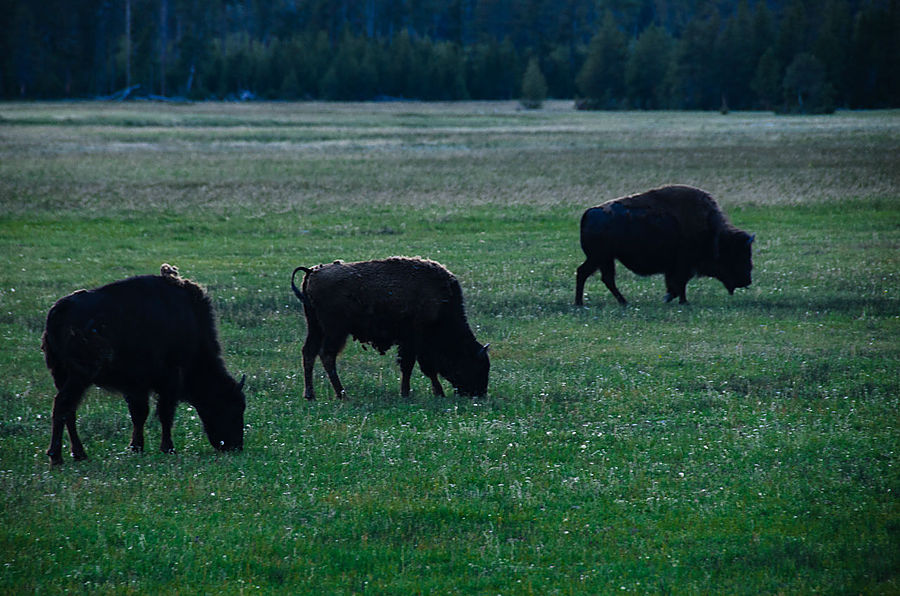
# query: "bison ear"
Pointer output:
{"type": "Point", "coordinates": [241, 384]}
{"type": "Point", "coordinates": [751, 239]}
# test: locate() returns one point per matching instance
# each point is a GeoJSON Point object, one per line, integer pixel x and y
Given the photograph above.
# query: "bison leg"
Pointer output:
{"type": "Point", "coordinates": [329, 361]}
{"type": "Point", "coordinates": [331, 347]}
{"type": "Point", "coordinates": [608, 275]}
{"type": "Point", "coordinates": [165, 410]}
{"type": "Point", "coordinates": [584, 271]}
{"type": "Point", "coordinates": [311, 349]}
{"type": "Point", "coordinates": [406, 357]}
{"type": "Point", "coordinates": [676, 287]}
{"type": "Point", "coordinates": [436, 386]}
{"type": "Point", "coordinates": [64, 405]}
{"type": "Point", "coordinates": [77, 448]}
{"type": "Point", "coordinates": [139, 408]}
{"type": "Point", "coordinates": [430, 371]}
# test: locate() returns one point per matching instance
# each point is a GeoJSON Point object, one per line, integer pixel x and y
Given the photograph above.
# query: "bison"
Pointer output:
{"type": "Point", "coordinates": [413, 303]}
{"type": "Point", "coordinates": [679, 231]}
{"type": "Point", "coordinates": [147, 333]}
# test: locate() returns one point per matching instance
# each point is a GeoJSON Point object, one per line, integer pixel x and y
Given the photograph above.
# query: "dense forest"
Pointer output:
{"type": "Point", "coordinates": [793, 55]}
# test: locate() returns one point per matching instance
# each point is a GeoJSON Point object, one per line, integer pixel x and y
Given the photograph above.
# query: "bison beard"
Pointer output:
{"type": "Point", "coordinates": [415, 304]}
{"type": "Point", "coordinates": [142, 334]}
{"type": "Point", "coordinates": [678, 231]}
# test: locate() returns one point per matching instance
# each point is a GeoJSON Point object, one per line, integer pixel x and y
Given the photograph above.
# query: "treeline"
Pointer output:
{"type": "Point", "coordinates": [806, 55]}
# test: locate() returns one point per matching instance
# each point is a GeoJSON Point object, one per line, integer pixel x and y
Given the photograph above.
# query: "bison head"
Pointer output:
{"type": "Point", "coordinates": [223, 419]}
{"type": "Point", "coordinates": [735, 262]}
{"type": "Point", "coordinates": [469, 376]}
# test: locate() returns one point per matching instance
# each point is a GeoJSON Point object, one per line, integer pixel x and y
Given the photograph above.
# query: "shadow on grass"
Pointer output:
{"type": "Point", "coordinates": [530, 306]}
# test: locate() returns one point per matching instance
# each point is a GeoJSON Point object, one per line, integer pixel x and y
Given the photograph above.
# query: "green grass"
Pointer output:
{"type": "Point", "coordinates": [743, 444]}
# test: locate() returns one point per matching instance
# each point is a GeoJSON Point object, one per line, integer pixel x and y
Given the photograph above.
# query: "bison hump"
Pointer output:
{"type": "Point", "coordinates": [694, 210]}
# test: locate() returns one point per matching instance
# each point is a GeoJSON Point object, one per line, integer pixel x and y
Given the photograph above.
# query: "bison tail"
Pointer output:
{"type": "Point", "coordinates": [50, 357]}
{"type": "Point", "coordinates": [297, 292]}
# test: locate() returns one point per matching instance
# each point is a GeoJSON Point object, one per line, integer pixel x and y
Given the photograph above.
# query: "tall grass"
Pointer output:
{"type": "Point", "coordinates": [743, 444]}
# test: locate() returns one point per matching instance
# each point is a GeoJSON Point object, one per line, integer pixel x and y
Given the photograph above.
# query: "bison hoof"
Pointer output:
{"type": "Point", "coordinates": [136, 448]}
{"type": "Point", "coordinates": [55, 459]}
{"type": "Point", "coordinates": [668, 298]}
{"type": "Point", "coordinates": [79, 456]}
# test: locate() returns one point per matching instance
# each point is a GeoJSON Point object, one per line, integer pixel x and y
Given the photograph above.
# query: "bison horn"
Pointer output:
{"type": "Point", "coordinates": [241, 384]}
{"type": "Point", "coordinates": [751, 239]}
{"type": "Point", "coordinates": [484, 350]}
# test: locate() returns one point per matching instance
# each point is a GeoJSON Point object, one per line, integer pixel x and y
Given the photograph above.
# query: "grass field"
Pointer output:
{"type": "Point", "coordinates": [738, 444]}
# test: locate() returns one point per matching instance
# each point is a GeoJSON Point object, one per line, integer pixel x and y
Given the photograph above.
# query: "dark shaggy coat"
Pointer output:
{"type": "Point", "coordinates": [678, 231]}
{"type": "Point", "coordinates": [413, 303]}
{"type": "Point", "coordinates": [137, 335]}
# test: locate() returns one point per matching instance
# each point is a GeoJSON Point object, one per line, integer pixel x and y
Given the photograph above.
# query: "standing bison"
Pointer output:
{"type": "Point", "coordinates": [679, 231]}
{"type": "Point", "coordinates": [413, 303]}
{"type": "Point", "coordinates": [141, 334]}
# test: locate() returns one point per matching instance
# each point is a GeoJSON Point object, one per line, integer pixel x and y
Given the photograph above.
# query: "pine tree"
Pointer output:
{"type": "Point", "coordinates": [735, 50]}
{"type": "Point", "coordinates": [767, 80]}
{"type": "Point", "coordinates": [647, 68]}
{"type": "Point", "coordinates": [793, 32]}
{"type": "Point", "coordinates": [601, 79]}
{"type": "Point", "coordinates": [735, 59]}
{"type": "Point", "coordinates": [805, 88]}
{"type": "Point", "coordinates": [833, 45]}
{"type": "Point", "coordinates": [558, 68]}
{"type": "Point", "coordinates": [875, 55]}
{"type": "Point", "coordinates": [697, 76]}
{"type": "Point", "coordinates": [534, 86]}
{"type": "Point", "coordinates": [290, 86]}
{"type": "Point", "coordinates": [447, 72]}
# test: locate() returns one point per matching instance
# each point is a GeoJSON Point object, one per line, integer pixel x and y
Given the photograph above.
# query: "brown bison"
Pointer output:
{"type": "Point", "coordinates": [679, 231]}
{"type": "Point", "coordinates": [413, 303]}
{"type": "Point", "coordinates": [148, 333]}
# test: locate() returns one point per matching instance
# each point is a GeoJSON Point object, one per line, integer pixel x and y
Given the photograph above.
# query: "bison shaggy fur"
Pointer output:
{"type": "Point", "coordinates": [678, 231]}
{"type": "Point", "coordinates": [413, 303]}
{"type": "Point", "coordinates": [147, 333]}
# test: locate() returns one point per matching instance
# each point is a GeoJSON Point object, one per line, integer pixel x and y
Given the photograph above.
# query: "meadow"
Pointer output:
{"type": "Point", "coordinates": [738, 444]}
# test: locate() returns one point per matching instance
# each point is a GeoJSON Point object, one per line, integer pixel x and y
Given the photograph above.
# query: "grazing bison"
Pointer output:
{"type": "Point", "coordinates": [141, 334]}
{"type": "Point", "coordinates": [675, 230]}
{"type": "Point", "coordinates": [413, 303]}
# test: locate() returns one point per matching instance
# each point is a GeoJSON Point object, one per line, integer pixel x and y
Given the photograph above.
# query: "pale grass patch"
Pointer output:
{"type": "Point", "coordinates": [138, 157]}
